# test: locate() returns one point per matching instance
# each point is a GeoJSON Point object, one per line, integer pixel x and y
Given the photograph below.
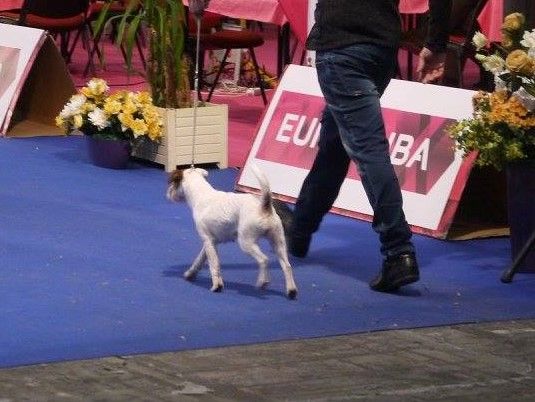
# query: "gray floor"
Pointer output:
{"type": "Point", "coordinates": [479, 362]}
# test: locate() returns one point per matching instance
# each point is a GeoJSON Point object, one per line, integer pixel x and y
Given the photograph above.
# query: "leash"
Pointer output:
{"type": "Point", "coordinates": [196, 87]}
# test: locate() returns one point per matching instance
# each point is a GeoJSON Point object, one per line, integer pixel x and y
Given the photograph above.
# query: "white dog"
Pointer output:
{"type": "Point", "coordinates": [222, 216]}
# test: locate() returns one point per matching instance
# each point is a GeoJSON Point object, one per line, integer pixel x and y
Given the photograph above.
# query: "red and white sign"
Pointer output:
{"type": "Point", "coordinates": [431, 173]}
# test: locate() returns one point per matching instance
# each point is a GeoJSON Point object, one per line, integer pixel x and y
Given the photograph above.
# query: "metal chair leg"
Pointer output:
{"type": "Point", "coordinates": [258, 75]}
{"type": "Point", "coordinates": [219, 71]}
{"type": "Point", "coordinates": [507, 276]}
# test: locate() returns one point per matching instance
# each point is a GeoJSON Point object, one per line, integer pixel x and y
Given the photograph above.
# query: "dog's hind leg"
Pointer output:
{"type": "Point", "coordinates": [213, 263]}
{"type": "Point", "coordinates": [191, 273]}
{"type": "Point", "coordinates": [250, 247]}
{"type": "Point", "coordinates": [278, 244]}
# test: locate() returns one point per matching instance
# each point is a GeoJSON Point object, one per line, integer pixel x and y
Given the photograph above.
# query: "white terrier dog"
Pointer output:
{"type": "Point", "coordinates": [223, 216]}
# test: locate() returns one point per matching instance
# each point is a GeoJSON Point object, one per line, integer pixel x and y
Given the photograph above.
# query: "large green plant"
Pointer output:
{"type": "Point", "coordinates": [168, 67]}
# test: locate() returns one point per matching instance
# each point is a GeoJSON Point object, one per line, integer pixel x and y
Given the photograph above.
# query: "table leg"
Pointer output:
{"type": "Point", "coordinates": [283, 46]}
{"type": "Point", "coordinates": [410, 23]}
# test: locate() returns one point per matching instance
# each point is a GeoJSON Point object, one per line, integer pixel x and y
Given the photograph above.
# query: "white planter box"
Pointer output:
{"type": "Point", "coordinates": [175, 148]}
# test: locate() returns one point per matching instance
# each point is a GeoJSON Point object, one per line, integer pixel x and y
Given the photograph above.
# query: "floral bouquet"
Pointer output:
{"type": "Point", "coordinates": [122, 115]}
{"type": "Point", "coordinates": [502, 128]}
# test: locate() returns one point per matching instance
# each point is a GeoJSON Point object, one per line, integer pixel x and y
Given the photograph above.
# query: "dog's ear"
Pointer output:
{"type": "Point", "coordinates": [175, 177]}
{"type": "Point", "coordinates": [203, 172]}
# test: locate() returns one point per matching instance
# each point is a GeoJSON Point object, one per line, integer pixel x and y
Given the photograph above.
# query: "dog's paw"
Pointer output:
{"type": "Point", "coordinates": [190, 276]}
{"type": "Point", "coordinates": [217, 288]}
{"type": "Point", "coordinates": [292, 294]}
{"type": "Point", "coordinates": [261, 284]}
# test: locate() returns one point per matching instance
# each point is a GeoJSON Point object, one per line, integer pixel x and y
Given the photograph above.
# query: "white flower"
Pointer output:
{"type": "Point", "coordinates": [499, 83]}
{"type": "Point", "coordinates": [528, 40]}
{"type": "Point", "coordinates": [480, 41]}
{"type": "Point", "coordinates": [73, 107]}
{"type": "Point", "coordinates": [493, 63]}
{"type": "Point", "coordinates": [97, 86]}
{"type": "Point", "coordinates": [527, 100]}
{"type": "Point", "coordinates": [98, 118]}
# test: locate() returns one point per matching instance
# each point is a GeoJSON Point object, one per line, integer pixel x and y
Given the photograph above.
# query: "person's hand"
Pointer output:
{"type": "Point", "coordinates": [430, 67]}
{"type": "Point", "coordinates": [197, 7]}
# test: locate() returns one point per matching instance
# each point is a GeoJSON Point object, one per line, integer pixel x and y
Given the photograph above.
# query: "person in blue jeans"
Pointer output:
{"type": "Point", "coordinates": [356, 44]}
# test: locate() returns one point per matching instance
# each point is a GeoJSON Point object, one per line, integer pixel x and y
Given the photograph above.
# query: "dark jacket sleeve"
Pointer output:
{"type": "Point", "coordinates": [439, 16]}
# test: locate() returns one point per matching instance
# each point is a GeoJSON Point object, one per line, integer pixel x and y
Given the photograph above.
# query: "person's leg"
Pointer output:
{"type": "Point", "coordinates": [352, 80]}
{"type": "Point", "coordinates": [320, 188]}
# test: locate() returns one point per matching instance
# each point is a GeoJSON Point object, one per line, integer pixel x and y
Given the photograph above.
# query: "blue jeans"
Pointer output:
{"type": "Point", "coordinates": [352, 80]}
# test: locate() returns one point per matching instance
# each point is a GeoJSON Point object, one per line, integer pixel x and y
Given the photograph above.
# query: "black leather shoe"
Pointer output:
{"type": "Point", "coordinates": [298, 245]}
{"type": "Point", "coordinates": [397, 271]}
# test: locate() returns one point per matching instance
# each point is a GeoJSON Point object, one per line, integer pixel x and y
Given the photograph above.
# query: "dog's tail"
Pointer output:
{"type": "Point", "coordinates": [267, 198]}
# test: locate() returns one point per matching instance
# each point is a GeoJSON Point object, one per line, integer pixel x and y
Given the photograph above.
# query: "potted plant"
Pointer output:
{"type": "Point", "coordinates": [502, 129]}
{"type": "Point", "coordinates": [113, 123]}
{"type": "Point", "coordinates": [167, 73]}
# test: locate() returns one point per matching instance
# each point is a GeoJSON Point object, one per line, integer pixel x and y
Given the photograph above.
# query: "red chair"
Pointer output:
{"type": "Point", "coordinates": [213, 39]}
{"type": "Point", "coordinates": [462, 26]}
{"type": "Point", "coordinates": [60, 18]}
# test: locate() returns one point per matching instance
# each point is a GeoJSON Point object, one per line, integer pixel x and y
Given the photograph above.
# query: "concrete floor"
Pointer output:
{"type": "Point", "coordinates": [477, 362]}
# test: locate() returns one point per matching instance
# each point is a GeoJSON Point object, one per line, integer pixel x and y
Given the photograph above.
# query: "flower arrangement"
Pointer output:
{"type": "Point", "coordinates": [502, 128]}
{"type": "Point", "coordinates": [122, 115]}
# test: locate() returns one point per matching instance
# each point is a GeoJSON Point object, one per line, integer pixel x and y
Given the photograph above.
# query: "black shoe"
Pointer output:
{"type": "Point", "coordinates": [298, 245]}
{"type": "Point", "coordinates": [397, 271]}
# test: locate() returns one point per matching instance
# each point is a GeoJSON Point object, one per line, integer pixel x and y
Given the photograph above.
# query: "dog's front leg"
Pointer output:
{"type": "Point", "coordinates": [191, 273]}
{"type": "Point", "coordinates": [213, 263]}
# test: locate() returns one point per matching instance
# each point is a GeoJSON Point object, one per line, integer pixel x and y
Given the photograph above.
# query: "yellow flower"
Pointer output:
{"type": "Point", "coordinates": [138, 127]}
{"type": "Point", "coordinates": [154, 130]}
{"type": "Point", "coordinates": [513, 22]}
{"type": "Point", "coordinates": [112, 106]}
{"type": "Point", "coordinates": [86, 92]}
{"type": "Point", "coordinates": [507, 42]}
{"type": "Point", "coordinates": [144, 98]}
{"type": "Point", "coordinates": [95, 108]}
{"type": "Point", "coordinates": [518, 61]}
{"type": "Point", "coordinates": [509, 110]}
{"type": "Point", "coordinates": [117, 96]}
{"type": "Point", "coordinates": [78, 121]}
{"type": "Point", "coordinates": [126, 120]}
{"type": "Point", "coordinates": [129, 107]}
{"type": "Point", "coordinates": [60, 122]}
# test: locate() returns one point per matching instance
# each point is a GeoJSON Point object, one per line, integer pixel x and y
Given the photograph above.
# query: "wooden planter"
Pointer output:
{"type": "Point", "coordinates": [175, 148]}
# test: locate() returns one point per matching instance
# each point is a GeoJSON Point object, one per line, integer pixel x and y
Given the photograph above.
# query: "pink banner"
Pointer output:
{"type": "Point", "coordinates": [421, 151]}
{"type": "Point", "coordinates": [491, 19]}
{"type": "Point", "coordinates": [297, 11]}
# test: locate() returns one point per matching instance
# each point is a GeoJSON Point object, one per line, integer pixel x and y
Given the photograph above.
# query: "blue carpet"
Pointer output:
{"type": "Point", "coordinates": [91, 264]}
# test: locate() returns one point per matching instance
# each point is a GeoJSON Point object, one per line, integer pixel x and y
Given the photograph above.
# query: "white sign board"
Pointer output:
{"type": "Point", "coordinates": [431, 173]}
{"type": "Point", "coordinates": [19, 47]}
